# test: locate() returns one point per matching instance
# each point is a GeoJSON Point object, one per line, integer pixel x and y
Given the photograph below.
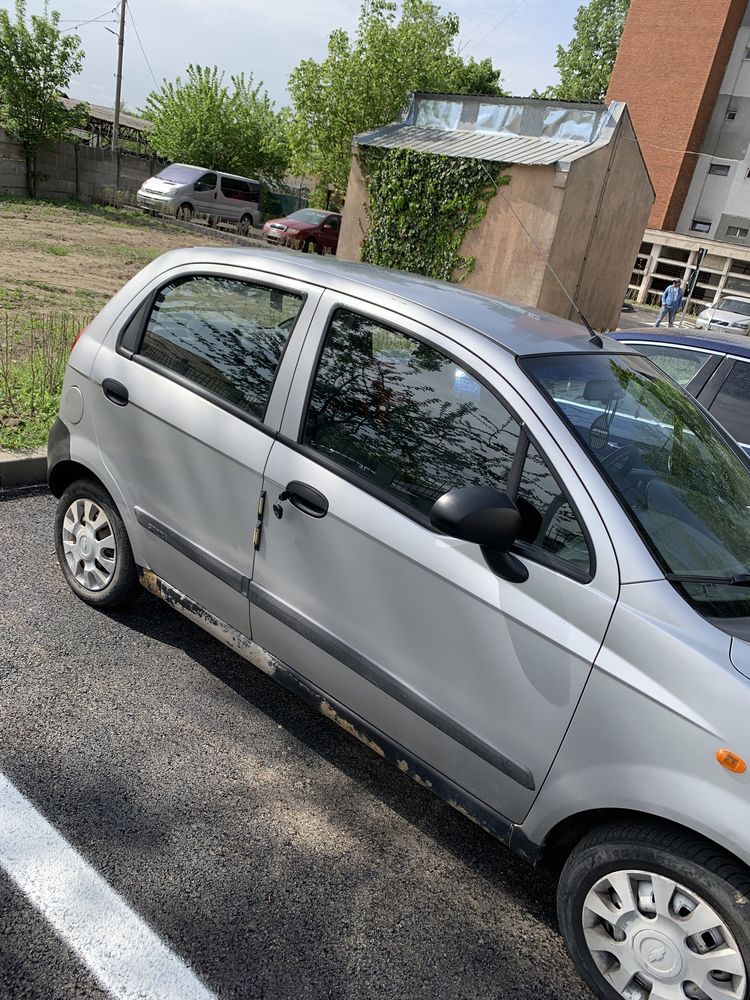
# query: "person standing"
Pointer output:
{"type": "Point", "coordinates": [671, 301]}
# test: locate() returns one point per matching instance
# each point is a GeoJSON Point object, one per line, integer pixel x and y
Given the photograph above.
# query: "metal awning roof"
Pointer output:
{"type": "Point", "coordinates": [532, 149]}
{"type": "Point", "coordinates": [99, 113]}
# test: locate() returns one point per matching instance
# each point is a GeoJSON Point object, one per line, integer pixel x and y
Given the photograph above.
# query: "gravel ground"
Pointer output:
{"type": "Point", "coordinates": [275, 855]}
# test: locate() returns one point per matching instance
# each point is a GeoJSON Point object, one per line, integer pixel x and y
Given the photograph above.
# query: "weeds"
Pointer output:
{"type": "Point", "coordinates": [33, 355]}
{"type": "Point", "coordinates": [57, 251]}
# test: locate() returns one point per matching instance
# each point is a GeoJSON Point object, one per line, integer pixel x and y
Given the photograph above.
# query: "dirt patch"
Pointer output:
{"type": "Point", "coordinates": [69, 258]}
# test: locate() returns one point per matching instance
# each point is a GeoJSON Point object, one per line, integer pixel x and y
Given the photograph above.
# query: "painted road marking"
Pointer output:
{"type": "Point", "coordinates": [130, 961]}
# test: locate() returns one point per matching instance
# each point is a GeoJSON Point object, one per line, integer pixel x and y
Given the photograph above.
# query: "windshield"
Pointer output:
{"type": "Point", "coordinates": [734, 306]}
{"type": "Point", "coordinates": [309, 215]}
{"type": "Point", "coordinates": [681, 482]}
{"type": "Point", "coordinates": [179, 174]}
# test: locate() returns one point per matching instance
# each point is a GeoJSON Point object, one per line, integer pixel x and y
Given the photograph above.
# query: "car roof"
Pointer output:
{"type": "Point", "coordinates": [725, 343]}
{"type": "Point", "coordinates": [517, 329]}
{"type": "Point", "coordinates": [210, 170]}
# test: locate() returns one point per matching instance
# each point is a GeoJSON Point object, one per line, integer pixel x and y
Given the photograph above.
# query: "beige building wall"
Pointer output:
{"type": "Point", "coordinates": [587, 222]}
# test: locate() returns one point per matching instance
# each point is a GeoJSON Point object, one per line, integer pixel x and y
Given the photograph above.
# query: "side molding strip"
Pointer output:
{"type": "Point", "coordinates": [331, 644]}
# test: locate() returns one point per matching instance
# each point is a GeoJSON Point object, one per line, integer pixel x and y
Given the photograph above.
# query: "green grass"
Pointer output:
{"type": "Point", "coordinates": [33, 355]}
{"type": "Point", "coordinates": [57, 251]}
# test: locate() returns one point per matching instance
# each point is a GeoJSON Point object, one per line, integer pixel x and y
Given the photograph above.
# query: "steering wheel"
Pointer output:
{"type": "Point", "coordinates": [628, 454]}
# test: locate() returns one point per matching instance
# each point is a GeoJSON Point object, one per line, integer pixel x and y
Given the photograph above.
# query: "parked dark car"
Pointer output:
{"type": "Point", "coordinates": [714, 367]}
{"type": "Point", "coordinates": [309, 229]}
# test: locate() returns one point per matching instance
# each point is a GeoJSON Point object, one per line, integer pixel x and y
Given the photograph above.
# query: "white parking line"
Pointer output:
{"type": "Point", "coordinates": [125, 955]}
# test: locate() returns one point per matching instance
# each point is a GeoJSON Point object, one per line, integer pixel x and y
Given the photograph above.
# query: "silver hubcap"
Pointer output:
{"type": "Point", "coordinates": [89, 544]}
{"type": "Point", "coordinates": [653, 939]}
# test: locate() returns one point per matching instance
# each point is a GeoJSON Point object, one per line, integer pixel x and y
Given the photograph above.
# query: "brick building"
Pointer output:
{"type": "Point", "coordinates": [684, 70]}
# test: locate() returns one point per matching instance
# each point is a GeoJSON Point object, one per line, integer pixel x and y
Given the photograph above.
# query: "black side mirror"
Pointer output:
{"type": "Point", "coordinates": [487, 517]}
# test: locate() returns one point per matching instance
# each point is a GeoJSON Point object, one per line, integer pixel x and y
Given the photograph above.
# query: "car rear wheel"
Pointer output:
{"type": "Point", "coordinates": [650, 913]}
{"type": "Point", "coordinates": [246, 224]}
{"type": "Point", "coordinates": [93, 548]}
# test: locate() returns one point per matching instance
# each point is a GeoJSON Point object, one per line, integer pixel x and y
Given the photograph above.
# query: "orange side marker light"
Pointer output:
{"type": "Point", "coordinates": [731, 761]}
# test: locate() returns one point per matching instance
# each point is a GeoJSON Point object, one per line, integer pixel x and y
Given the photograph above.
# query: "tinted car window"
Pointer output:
{"type": "Point", "coordinates": [679, 363]}
{"type": "Point", "coordinates": [549, 522]}
{"type": "Point", "coordinates": [224, 335]}
{"type": "Point", "coordinates": [405, 417]}
{"type": "Point", "coordinates": [239, 190]}
{"type": "Point", "coordinates": [205, 183]}
{"type": "Point", "coordinates": [732, 404]}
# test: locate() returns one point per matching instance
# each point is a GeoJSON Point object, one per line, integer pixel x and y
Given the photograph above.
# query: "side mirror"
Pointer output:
{"type": "Point", "coordinates": [487, 517]}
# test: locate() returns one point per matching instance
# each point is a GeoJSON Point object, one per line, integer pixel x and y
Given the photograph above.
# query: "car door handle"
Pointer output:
{"type": "Point", "coordinates": [115, 392]}
{"type": "Point", "coordinates": [305, 498]}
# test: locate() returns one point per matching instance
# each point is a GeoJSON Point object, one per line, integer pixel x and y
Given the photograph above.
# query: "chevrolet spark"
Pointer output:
{"type": "Point", "coordinates": [511, 558]}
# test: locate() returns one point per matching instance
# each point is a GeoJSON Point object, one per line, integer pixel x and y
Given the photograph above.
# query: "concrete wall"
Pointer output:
{"type": "Point", "coordinates": [669, 70]}
{"type": "Point", "coordinates": [68, 170]}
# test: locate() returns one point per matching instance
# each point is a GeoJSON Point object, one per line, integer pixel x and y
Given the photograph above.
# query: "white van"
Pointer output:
{"type": "Point", "coordinates": [184, 190]}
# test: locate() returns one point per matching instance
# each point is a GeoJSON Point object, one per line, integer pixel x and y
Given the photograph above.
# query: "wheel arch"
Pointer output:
{"type": "Point", "coordinates": [65, 472]}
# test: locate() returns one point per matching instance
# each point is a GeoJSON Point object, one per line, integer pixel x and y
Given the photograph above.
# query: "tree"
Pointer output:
{"type": "Point", "coordinates": [233, 128]}
{"type": "Point", "coordinates": [36, 64]}
{"type": "Point", "coordinates": [586, 65]}
{"type": "Point", "coordinates": [365, 82]}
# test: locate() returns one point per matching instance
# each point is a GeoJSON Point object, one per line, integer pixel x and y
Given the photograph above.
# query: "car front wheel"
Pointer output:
{"type": "Point", "coordinates": [93, 548]}
{"type": "Point", "coordinates": [652, 913]}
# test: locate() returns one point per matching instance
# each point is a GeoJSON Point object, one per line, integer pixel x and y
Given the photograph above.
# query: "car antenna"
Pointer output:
{"type": "Point", "coordinates": [594, 338]}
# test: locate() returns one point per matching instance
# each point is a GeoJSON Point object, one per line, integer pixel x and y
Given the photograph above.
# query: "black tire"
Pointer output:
{"type": "Point", "coordinates": [123, 587]}
{"type": "Point", "coordinates": [185, 212]}
{"type": "Point", "coordinates": [698, 866]}
{"type": "Point", "coordinates": [246, 224]}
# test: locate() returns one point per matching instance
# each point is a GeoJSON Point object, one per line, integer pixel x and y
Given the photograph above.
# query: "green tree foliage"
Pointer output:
{"type": "Point", "coordinates": [231, 127]}
{"type": "Point", "coordinates": [586, 65]}
{"type": "Point", "coordinates": [364, 82]}
{"type": "Point", "coordinates": [36, 63]}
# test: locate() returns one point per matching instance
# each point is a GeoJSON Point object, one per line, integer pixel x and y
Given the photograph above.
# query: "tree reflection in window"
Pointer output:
{"type": "Point", "coordinates": [404, 416]}
{"type": "Point", "coordinates": [224, 335]}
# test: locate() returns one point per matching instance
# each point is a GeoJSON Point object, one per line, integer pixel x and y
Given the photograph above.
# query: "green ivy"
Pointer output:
{"type": "Point", "coordinates": [421, 208]}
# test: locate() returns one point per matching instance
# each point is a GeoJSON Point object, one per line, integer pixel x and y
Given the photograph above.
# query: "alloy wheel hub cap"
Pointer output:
{"type": "Point", "coordinates": [659, 956]}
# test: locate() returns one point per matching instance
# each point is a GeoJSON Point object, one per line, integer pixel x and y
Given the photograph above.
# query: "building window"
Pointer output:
{"type": "Point", "coordinates": [720, 169]}
{"type": "Point", "coordinates": [731, 114]}
{"type": "Point", "coordinates": [737, 231]}
{"type": "Point", "coordinates": [701, 227]}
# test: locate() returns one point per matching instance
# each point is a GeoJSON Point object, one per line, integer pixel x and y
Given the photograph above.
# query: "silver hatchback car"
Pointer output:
{"type": "Point", "coordinates": [512, 560]}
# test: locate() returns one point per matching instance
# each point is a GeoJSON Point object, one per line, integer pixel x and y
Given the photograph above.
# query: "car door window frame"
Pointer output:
{"type": "Point", "coordinates": [733, 361]}
{"type": "Point", "coordinates": [525, 438]}
{"type": "Point", "coordinates": [131, 333]}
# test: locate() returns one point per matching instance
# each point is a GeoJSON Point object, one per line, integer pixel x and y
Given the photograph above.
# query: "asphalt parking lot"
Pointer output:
{"type": "Point", "coordinates": [267, 851]}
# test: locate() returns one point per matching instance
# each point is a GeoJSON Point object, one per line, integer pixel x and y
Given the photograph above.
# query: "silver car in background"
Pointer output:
{"type": "Point", "coordinates": [184, 190]}
{"type": "Point", "coordinates": [730, 314]}
{"type": "Point", "coordinates": [511, 559]}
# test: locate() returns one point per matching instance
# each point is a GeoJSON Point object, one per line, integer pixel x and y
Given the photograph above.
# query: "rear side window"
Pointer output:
{"type": "Point", "coordinates": [732, 404]}
{"type": "Point", "coordinates": [237, 190]}
{"type": "Point", "coordinates": [679, 363]}
{"type": "Point", "coordinates": [222, 335]}
{"type": "Point", "coordinates": [404, 416]}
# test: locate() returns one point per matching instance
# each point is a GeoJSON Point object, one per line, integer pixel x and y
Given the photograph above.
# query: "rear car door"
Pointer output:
{"type": "Point", "coordinates": [472, 679]}
{"type": "Point", "coordinates": [192, 391]}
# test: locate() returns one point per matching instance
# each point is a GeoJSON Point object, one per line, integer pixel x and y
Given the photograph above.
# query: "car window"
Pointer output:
{"type": "Point", "coordinates": [549, 522]}
{"type": "Point", "coordinates": [404, 416]}
{"type": "Point", "coordinates": [679, 363]}
{"type": "Point", "coordinates": [334, 222]}
{"type": "Point", "coordinates": [237, 190]}
{"type": "Point", "coordinates": [224, 335]}
{"type": "Point", "coordinates": [732, 404]}
{"type": "Point", "coordinates": [205, 183]}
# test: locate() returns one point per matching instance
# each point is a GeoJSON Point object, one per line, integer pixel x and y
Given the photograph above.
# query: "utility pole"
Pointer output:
{"type": "Point", "coordinates": [118, 96]}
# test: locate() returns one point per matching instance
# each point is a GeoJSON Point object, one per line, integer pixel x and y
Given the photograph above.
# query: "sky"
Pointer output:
{"type": "Point", "coordinates": [269, 37]}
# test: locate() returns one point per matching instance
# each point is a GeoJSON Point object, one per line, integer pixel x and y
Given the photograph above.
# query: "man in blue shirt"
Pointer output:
{"type": "Point", "coordinates": [671, 301]}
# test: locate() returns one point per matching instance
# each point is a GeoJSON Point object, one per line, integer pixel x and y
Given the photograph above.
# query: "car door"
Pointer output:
{"type": "Point", "coordinates": [408, 629]}
{"type": "Point", "coordinates": [192, 393]}
{"type": "Point", "coordinates": [204, 194]}
{"type": "Point", "coordinates": [328, 234]}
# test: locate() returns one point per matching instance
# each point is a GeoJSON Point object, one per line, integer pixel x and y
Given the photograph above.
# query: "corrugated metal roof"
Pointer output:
{"type": "Point", "coordinates": [99, 113]}
{"type": "Point", "coordinates": [540, 150]}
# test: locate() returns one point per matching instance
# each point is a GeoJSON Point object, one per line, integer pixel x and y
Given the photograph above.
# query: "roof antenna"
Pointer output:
{"type": "Point", "coordinates": [594, 339]}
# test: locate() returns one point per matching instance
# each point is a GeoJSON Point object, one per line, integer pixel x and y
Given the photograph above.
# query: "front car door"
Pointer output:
{"type": "Point", "coordinates": [192, 392]}
{"type": "Point", "coordinates": [204, 194]}
{"type": "Point", "coordinates": [410, 630]}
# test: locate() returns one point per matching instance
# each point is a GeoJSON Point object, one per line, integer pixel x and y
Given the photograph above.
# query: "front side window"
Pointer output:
{"type": "Point", "coordinates": [205, 183]}
{"type": "Point", "coordinates": [680, 364]}
{"type": "Point", "coordinates": [224, 335]}
{"type": "Point", "coordinates": [732, 404]}
{"type": "Point", "coordinates": [683, 485]}
{"type": "Point", "coordinates": [405, 417]}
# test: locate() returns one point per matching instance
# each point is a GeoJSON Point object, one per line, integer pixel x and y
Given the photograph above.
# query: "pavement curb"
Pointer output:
{"type": "Point", "coordinates": [19, 471]}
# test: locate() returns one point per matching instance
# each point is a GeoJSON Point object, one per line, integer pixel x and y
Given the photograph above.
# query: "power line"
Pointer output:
{"type": "Point", "coordinates": [92, 20]}
{"type": "Point", "coordinates": [502, 21]}
{"type": "Point", "coordinates": [140, 43]}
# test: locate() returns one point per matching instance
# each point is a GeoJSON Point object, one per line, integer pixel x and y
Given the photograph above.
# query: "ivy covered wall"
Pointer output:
{"type": "Point", "coordinates": [421, 207]}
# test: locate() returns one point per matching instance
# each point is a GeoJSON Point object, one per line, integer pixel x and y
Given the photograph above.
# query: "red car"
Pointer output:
{"type": "Point", "coordinates": [308, 229]}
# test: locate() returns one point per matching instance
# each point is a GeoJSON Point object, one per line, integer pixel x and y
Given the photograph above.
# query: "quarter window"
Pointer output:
{"type": "Point", "coordinates": [223, 335]}
{"type": "Point", "coordinates": [404, 416]}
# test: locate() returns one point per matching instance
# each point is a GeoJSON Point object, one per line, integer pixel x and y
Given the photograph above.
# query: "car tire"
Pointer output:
{"type": "Point", "coordinates": [93, 548]}
{"type": "Point", "coordinates": [246, 223]}
{"type": "Point", "coordinates": [631, 889]}
{"type": "Point", "coordinates": [185, 212]}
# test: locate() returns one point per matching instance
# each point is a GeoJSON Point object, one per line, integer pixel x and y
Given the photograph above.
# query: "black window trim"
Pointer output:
{"type": "Point", "coordinates": [531, 552]}
{"type": "Point", "coordinates": [698, 382]}
{"type": "Point", "coordinates": [735, 360]}
{"type": "Point", "coordinates": [146, 307]}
